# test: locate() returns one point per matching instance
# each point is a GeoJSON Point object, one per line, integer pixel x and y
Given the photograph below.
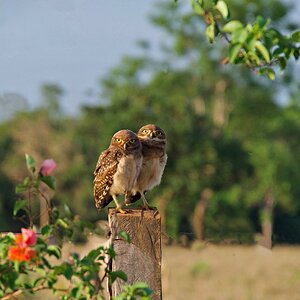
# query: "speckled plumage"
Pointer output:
{"type": "Point", "coordinates": [117, 168]}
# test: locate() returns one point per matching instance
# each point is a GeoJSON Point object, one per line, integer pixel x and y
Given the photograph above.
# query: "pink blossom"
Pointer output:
{"type": "Point", "coordinates": [29, 236]}
{"type": "Point", "coordinates": [47, 167]}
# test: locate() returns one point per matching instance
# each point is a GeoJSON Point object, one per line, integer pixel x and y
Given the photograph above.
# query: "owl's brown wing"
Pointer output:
{"type": "Point", "coordinates": [106, 167]}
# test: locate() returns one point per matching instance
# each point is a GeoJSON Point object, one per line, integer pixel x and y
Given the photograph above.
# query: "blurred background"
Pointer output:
{"type": "Point", "coordinates": [74, 72]}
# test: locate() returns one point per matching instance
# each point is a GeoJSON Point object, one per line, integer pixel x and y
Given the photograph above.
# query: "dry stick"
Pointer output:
{"type": "Point", "coordinates": [19, 292]}
{"type": "Point", "coordinates": [49, 210]}
{"type": "Point", "coordinates": [33, 290]}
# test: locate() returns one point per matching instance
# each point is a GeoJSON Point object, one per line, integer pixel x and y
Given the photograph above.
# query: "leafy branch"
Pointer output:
{"type": "Point", "coordinates": [30, 263]}
{"type": "Point", "coordinates": [258, 46]}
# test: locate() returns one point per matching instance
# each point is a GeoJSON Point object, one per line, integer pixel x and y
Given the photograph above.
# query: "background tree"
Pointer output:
{"type": "Point", "coordinates": [227, 134]}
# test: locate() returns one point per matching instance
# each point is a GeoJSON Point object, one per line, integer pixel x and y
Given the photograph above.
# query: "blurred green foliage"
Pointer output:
{"type": "Point", "coordinates": [254, 44]}
{"type": "Point", "coordinates": [226, 132]}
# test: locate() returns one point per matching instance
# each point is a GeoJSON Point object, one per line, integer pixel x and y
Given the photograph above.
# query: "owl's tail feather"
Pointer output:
{"type": "Point", "coordinates": [101, 202]}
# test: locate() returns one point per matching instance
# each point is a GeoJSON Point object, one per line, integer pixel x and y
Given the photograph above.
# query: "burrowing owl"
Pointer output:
{"type": "Point", "coordinates": [117, 168]}
{"type": "Point", "coordinates": [153, 140]}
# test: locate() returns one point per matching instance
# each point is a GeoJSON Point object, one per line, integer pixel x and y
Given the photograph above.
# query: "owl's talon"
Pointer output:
{"type": "Point", "coordinates": [121, 210]}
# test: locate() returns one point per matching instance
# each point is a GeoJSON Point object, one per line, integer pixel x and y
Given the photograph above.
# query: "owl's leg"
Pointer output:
{"type": "Point", "coordinates": [118, 205]}
{"type": "Point", "coordinates": [146, 204]}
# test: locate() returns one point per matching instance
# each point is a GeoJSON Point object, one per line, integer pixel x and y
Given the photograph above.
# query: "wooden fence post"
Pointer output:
{"type": "Point", "coordinates": [140, 259]}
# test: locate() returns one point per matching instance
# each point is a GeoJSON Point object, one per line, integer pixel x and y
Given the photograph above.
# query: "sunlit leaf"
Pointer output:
{"type": "Point", "coordinates": [232, 26]}
{"type": "Point", "coordinates": [270, 72]}
{"type": "Point", "coordinates": [54, 250]}
{"type": "Point", "coordinates": [68, 211]}
{"type": "Point", "coordinates": [233, 52]}
{"type": "Point", "coordinates": [239, 35]}
{"type": "Point", "coordinates": [221, 6]}
{"type": "Point", "coordinates": [197, 7]}
{"type": "Point", "coordinates": [263, 50]}
{"type": "Point", "coordinates": [125, 236]}
{"type": "Point", "coordinates": [210, 33]}
{"type": "Point", "coordinates": [19, 205]}
{"type": "Point", "coordinates": [30, 162]}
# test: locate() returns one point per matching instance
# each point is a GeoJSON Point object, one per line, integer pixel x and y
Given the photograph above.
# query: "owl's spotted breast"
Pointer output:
{"type": "Point", "coordinates": [117, 168]}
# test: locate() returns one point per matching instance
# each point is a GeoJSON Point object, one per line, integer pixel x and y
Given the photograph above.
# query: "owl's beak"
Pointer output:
{"type": "Point", "coordinates": [126, 145]}
{"type": "Point", "coordinates": [152, 134]}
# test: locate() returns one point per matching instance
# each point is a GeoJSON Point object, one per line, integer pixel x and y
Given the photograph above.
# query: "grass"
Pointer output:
{"type": "Point", "coordinates": [231, 273]}
{"type": "Point", "coordinates": [221, 272]}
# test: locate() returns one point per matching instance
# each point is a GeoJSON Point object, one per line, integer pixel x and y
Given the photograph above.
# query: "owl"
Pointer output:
{"type": "Point", "coordinates": [117, 169]}
{"type": "Point", "coordinates": [153, 140]}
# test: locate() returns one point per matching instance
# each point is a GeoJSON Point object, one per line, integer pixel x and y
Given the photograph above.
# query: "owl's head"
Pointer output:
{"type": "Point", "coordinates": [126, 140]}
{"type": "Point", "coordinates": [152, 132]}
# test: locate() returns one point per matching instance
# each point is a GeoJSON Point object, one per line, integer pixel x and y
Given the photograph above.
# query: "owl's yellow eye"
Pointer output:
{"type": "Point", "coordinates": [132, 141]}
{"type": "Point", "coordinates": [146, 130]}
{"type": "Point", "coordinates": [118, 140]}
{"type": "Point", "coordinates": [158, 133]}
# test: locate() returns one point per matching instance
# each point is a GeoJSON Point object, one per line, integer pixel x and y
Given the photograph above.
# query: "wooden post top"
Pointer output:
{"type": "Point", "coordinates": [136, 212]}
{"type": "Point", "coordinates": [141, 259]}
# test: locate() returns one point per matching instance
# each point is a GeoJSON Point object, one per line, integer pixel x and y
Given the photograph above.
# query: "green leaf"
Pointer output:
{"type": "Point", "coordinates": [262, 21]}
{"type": "Point", "coordinates": [210, 33]}
{"type": "Point", "coordinates": [296, 36]}
{"type": "Point", "coordinates": [46, 262]}
{"type": "Point", "coordinates": [20, 188]}
{"type": "Point", "coordinates": [125, 236]}
{"type": "Point", "coordinates": [93, 254]}
{"type": "Point", "coordinates": [232, 26]}
{"type": "Point", "coordinates": [263, 50]}
{"type": "Point", "coordinates": [297, 53]}
{"type": "Point", "coordinates": [233, 52]}
{"type": "Point", "coordinates": [20, 204]}
{"type": "Point", "coordinates": [278, 51]}
{"type": "Point", "coordinates": [282, 63]}
{"type": "Point", "coordinates": [198, 7]}
{"type": "Point", "coordinates": [221, 6]}
{"type": "Point", "coordinates": [68, 211]}
{"type": "Point", "coordinates": [46, 230]}
{"type": "Point", "coordinates": [269, 71]}
{"type": "Point", "coordinates": [239, 35]}
{"type": "Point", "coordinates": [118, 274]}
{"type": "Point", "coordinates": [76, 291]}
{"type": "Point", "coordinates": [49, 181]}
{"type": "Point", "coordinates": [54, 250]}
{"type": "Point", "coordinates": [30, 162]}
{"type": "Point", "coordinates": [64, 269]}
{"type": "Point", "coordinates": [62, 223]}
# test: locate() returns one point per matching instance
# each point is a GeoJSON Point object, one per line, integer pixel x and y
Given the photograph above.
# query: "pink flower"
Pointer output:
{"type": "Point", "coordinates": [47, 167]}
{"type": "Point", "coordinates": [29, 236]}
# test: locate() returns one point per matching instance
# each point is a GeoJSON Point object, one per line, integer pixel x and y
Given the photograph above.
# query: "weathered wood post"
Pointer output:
{"type": "Point", "coordinates": [140, 259]}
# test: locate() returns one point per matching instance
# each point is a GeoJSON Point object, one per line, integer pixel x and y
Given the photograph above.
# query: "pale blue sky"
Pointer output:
{"type": "Point", "coordinates": [70, 42]}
